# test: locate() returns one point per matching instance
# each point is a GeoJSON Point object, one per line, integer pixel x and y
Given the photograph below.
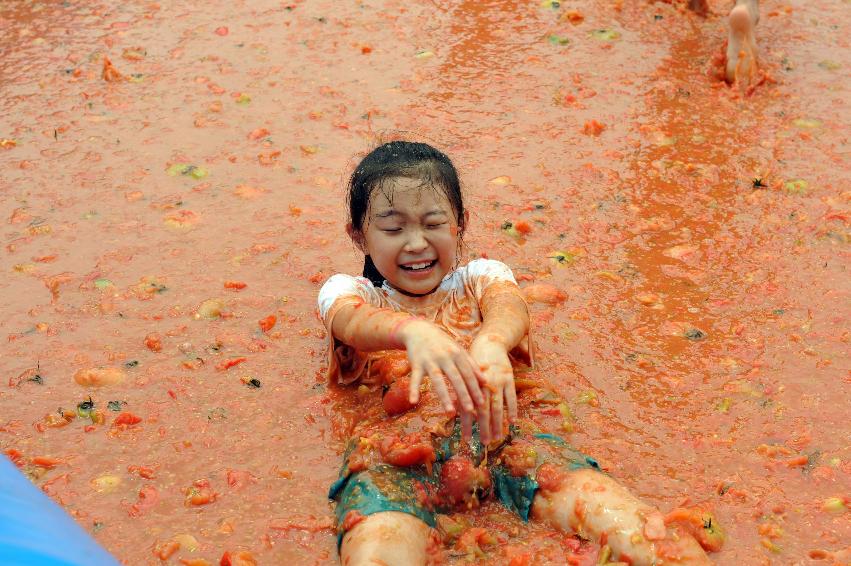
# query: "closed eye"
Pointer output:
{"type": "Point", "coordinates": [435, 225]}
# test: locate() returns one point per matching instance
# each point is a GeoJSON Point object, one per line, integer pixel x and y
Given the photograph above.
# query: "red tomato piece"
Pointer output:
{"type": "Point", "coordinates": [258, 133]}
{"type": "Point", "coordinates": [268, 323]}
{"type": "Point", "coordinates": [593, 128]}
{"type": "Point", "coordinates": [462, 483]}
{"type": "Point", "coordinates": [154, 342]}
{"type": "Point", "coordinates": [235, 285]}
{"type": "Point", "coordinates": [45, 462]}
{"type": "Point", "coordinates": [143, 471]}
{"type": "Point", "coordinates": [396, 400]}
{"type": "Point", "coordinates": [241, 558]}
{"type": "Point", "coordinates": [55, 420]}
{"type": "Point", "coordinates": [126, 420]}
{"type": "Point", "coordinates": [393, 366]}
{"type": "Point", "coordinates": [522, 227]}
{"type": "Point", "coordinates": [412, 450]}
{"type": "Point", "coordinates": [166, 550]}
{"type": "Point", "coordinates": [227, 364]}
{"type": "Point", "coordinates": [351, 519]}
{"type": "Point", "coordinates": [200, 493]}
{"type": "Point", "coordinates": [15, 456]}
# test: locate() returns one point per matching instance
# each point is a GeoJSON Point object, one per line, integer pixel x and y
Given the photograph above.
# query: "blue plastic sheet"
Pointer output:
{"type": "Point", "coordinates": [36, 531]}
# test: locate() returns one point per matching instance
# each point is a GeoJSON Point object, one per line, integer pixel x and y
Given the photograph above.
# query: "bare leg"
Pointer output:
{"type": "Point", "coordinates": [597, 508]}
{"type": "Point", "coordinates": [741, 45]}
{"type": "Point", "coordinates": [389, 538]}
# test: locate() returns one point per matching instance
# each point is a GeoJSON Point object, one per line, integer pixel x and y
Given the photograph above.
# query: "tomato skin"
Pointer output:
{"type": "Point", "coordinates": [227, 364]}
{"type": "Point", "coordinates": [45, 462]}
{"type": "Point", "coordinates": [235, 285]}
{"type": "Point", "coordinates": [396, 400]}
{"type": "Point", "coordinates": [239, 478]}
{"type": "Point", "coordinates": [268, 323]}
{"type": "Point", "coordinates": [241, 558]}
{"type": "Point", "coordinates": [143, 471]}
{"type": "Point", "coordinates": [15, 456]}
{"type": "Point", "coordinates": [148, 497]}
{"type": "Point", "coordinates": [351, 519]}
{"type": "Point", "coordinates": [701, 524]}
{"type": "Point", "coordinates": [54, 420]}
{"type": "Point", "coordinates": [166, 550]}
{"type": "Point", "coordinates": [126, 420]}
{"type": "Point", "coordinates": [412, 450]}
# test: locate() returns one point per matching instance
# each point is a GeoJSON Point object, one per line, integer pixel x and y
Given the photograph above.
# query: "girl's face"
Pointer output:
{"type": "Point", "coordinates": [411, 233]}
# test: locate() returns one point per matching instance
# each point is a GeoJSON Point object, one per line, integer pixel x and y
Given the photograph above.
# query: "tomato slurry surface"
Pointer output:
{"type": "Point", "coordinates": [172, 214]}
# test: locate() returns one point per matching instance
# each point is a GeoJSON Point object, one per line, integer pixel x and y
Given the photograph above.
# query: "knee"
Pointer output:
{"type": "Point", "coordinates": [554, 479]}
{"type": "Point", "coordinates": [386, 538]}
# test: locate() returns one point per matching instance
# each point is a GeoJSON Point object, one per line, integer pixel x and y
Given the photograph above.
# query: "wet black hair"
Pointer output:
{"type": "Point", "coordinates": [396, 159]}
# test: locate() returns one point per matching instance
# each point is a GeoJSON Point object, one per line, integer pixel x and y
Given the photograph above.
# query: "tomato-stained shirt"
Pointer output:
{"type": "Point", "coordinates": [455, 306]}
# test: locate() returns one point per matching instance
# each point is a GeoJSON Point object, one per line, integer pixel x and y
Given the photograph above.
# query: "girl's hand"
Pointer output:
{"type": "Point", "coordinates": [434, 353]}
{"type": "Point", "coordinates": [491, 356]}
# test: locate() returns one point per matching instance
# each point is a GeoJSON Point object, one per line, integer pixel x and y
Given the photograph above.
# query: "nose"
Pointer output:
{"type": "Point", "coordinates": [416, 241]}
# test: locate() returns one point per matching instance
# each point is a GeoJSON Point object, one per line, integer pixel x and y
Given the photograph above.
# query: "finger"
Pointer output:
{"type": "Point", "coordinates": [511, 401]}
{"type": "Point", "coordinates": [466, 426]}
{"type": "Point", "coordinates": [439, 387]}
{"type": "Point", "coordinates": [416, 380]}
{"type": "Point", "coordinates": [460, 387]}
{"type": "Point", "coordinates": [467, 366]}
{"type": "Point", "coordinates": [484, 418]}
{"type": "Point", "coordinates": [496, 415]}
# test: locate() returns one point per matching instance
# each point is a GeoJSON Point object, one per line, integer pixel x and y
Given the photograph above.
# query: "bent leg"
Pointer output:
{"type": "Point", "coordinates": [389, 538]}
{"type": "Point", "coordinates": [597, 508]}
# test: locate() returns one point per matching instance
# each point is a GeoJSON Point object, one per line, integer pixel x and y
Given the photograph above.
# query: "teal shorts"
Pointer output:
{"type": "Point", "coordinates": [384, 487]}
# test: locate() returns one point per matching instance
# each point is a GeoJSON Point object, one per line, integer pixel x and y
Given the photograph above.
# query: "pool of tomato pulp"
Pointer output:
{"type": "Point", "coordinates": [169, 217]}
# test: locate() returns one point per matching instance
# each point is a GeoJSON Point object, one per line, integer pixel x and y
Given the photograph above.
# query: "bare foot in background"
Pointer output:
{"type": "Point", "coordinates": [741, 64]}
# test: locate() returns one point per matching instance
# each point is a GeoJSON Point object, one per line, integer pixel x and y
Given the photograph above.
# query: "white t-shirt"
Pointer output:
{"type": "Point", "coordinates": [454, 306]}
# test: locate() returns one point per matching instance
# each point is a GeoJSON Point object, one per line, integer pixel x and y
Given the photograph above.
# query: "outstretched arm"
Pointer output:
{"type": "Point", "coordinates": [505, 323]}
{"type": "Point", "coordinates": [504, 314]}
{"type": "Point", "coordinates": [430, 350]}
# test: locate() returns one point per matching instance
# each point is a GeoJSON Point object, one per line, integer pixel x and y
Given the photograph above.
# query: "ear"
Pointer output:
{"type": "Point", "coordinates": [356, 237]}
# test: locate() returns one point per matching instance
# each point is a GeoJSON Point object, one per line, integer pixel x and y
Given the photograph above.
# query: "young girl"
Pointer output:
{"type": "Point", "coordinates": [417, 314]}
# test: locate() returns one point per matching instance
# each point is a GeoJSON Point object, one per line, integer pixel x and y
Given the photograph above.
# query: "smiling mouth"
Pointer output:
{"type": "Point", "coordinates": [422, 266]}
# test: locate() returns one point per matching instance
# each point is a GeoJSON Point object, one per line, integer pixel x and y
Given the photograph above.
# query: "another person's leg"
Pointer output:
{"type": "Point", "coordinates": [388, 538]}
{"type": "Point", "coordinates": [597, 508]}
{"type": "Point", "coordinates": [741, 45]}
